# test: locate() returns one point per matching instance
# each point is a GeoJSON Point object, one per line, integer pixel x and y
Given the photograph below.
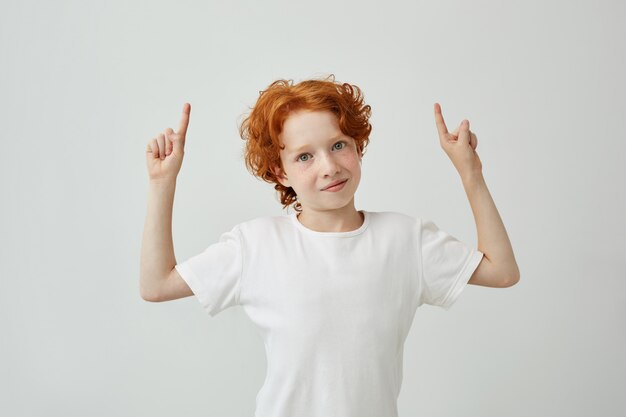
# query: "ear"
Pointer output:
{"type": "Point", "coordinates": [358, 150]}
{"type": "Point", "coordinates": [282, 177]}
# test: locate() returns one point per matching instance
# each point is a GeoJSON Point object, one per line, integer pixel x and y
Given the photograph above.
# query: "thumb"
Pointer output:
{"type": "Point", "coordinates": [464, 133]}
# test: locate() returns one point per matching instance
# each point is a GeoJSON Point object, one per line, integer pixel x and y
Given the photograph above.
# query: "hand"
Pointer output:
{"type": "Point", "coordinates": [164, 154]}
{"type": "Point", "coordinates": [460, 145]}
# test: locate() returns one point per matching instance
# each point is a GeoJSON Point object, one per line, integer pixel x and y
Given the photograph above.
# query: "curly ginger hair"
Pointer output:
{"type": "Point", "coordinates": [263, 125]}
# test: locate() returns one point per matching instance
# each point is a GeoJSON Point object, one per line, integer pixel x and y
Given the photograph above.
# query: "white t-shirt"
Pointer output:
{"type": "Point", "coordinates": [333, 308]}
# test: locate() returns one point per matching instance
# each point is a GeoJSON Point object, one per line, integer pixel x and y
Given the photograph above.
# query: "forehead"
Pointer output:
{"type": "Point", "coordinates": [305, 127]}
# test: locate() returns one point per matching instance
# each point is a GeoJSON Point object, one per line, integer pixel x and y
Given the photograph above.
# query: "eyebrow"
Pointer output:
{"type": "Point", "coordinates": [301, 148]}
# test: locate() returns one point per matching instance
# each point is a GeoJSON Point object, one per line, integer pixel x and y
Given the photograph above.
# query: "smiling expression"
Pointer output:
{"type": "Point", "coordinates": [317, 154]}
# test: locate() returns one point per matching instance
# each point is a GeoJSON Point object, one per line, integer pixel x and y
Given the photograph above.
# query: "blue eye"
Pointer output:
{"type": "Point", "coordinates": [343, 143]}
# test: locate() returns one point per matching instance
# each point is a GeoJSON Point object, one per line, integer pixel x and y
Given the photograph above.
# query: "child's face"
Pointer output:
{"type": "Point", "coordinates": [317, 154]}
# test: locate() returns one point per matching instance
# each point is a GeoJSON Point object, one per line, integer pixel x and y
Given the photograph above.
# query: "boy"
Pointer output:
{"type": "Point", "coordinates": [332, 290]}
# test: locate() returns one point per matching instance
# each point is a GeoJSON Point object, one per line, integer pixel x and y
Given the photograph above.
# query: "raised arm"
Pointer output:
{"type": "Point", "coordinates": [164, 156]}
{"type": "Point", "coordinates": [498, 267]}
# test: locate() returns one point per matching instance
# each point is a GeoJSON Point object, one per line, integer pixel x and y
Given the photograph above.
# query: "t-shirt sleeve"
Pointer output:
{"type": "Point", "coordinates": [214, 275]}
{"type": "Point", "coordinates": [446, 265]}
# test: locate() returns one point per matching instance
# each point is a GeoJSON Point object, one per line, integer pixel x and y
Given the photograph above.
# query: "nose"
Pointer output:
{"type": "Point", "coordinates": [329, 167]}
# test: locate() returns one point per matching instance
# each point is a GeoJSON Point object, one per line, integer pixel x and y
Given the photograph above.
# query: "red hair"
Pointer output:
{"type": "Point", "coordinates": [261, 128]}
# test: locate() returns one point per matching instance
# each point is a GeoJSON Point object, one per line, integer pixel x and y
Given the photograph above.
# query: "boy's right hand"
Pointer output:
{"type": "Point", "coordinates": [164, 154]}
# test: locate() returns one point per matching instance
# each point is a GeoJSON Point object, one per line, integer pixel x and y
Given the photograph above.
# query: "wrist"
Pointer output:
{"type": "Point", "coordinates": [472, 177]}
{"type": "Point", "coordinates": [162, 182]}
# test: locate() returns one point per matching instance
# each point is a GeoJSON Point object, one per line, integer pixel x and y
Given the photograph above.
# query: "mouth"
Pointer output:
{"type": "Point", "coordinates": [334, 184]}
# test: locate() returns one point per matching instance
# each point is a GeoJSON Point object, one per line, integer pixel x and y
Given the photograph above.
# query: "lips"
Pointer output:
{"type": "Point", "coordinates": [333, 184]}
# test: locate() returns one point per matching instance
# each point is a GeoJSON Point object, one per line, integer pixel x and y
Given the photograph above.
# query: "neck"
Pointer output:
{"type": "Point", "coordinates": [341, 220]}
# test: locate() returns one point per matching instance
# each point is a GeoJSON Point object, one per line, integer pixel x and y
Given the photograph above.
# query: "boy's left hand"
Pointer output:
{"type": "Point", "coordinates": [460, 145]}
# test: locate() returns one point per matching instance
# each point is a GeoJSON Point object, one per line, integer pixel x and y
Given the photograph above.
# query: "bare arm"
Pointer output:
{"type": "Point", "coordinates": [164, 156]}
{"type": "Point", "coordinates": [157, 248]}
{"type": "Point", "coordinates": [499, 269]}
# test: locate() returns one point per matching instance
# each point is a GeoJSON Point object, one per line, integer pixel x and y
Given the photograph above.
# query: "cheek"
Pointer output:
{"type": "Point", "coordinates": [302, 175]}
{"type": "Point", "coordinates": [352, 161]}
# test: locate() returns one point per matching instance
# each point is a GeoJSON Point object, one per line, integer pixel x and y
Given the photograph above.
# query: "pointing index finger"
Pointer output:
{"type": "Point", "coordinates": [441, 124]}
{"type": "Point", "coordinates": [184, 121]}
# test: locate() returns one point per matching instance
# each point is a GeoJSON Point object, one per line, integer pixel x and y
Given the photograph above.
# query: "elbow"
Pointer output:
{"type": "Point", "coordinates": [148, 295]}
{"type": "Point", "coordinates": [513, 279]}
{"type": "Point", "coordinates": [149, 298]}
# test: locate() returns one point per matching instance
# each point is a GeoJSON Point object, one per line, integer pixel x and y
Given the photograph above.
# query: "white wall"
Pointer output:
{"type": "Point", "coordinates": [85, 85]}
